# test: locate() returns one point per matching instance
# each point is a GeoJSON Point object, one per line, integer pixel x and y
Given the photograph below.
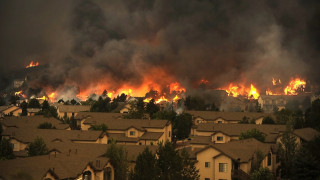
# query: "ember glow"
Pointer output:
{"type": "Point", "coordinates": [240, 90]}
{"type": "Point", "coordinates": [294, 86]}
{"type": "Point", "coordinates": [33, 64]}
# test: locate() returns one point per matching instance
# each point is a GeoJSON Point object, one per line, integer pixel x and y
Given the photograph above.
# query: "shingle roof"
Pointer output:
{"type": "Point", "coordinates": [114, 123]}
{"type": "Point", "coordinates": [229, 116]}
{"type": "Point", "coordinates": [243, 150]}
{"type": "Point", "coordinates": [306, 134]}
{"type": "Point", "coordinates": [271, 131]}
{"type": "Point", "coordinates": [73, 108]}
{"type": "Point", "coordinates": [31, 122]}
{"type": "Point", "coordinates": [151, 136]}
{"type": "Point", "coordinates": [120, 137]}
{"type": "Point", "coordinates": [28, 135]}
{"type": "Point", "coordinates": [201, 140]}
{"type": "Point", "coordinates": [33, 110]}
{"type": "Point", "coordinates": [2, 108]}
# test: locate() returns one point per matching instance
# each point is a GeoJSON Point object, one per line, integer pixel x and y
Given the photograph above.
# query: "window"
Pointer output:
{"type": "Point", "coordinates": [223, 167]}
{"type": "Point", "coordinates": [219, 122]}
{"type": "Point", "coordinates": [219, 138]}
{"type": "Point", "coordinates": [206, 178]}
{"type": "Point", "coordinates": [269, 159]}
{"type": "Point", "coordinates": [207, 164]}
{"type": "Point", "coordinates": [132, 133]}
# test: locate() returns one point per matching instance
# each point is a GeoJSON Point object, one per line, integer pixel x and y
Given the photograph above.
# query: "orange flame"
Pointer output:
{"type": "Point", "coordinates": [175, 86]}
{"type": "Point", "coordinates": [253, 93]}
{"type": "Point", "coordinates": [162, 99]}
{"type": "Point", "coordinates": [236, 90]}
{"type": "Point", "coordinates": [32, 64]}
{"type": "Point", "coordinates": [294, 86]}
{"type": "Point", "coordinates": [176, 98]}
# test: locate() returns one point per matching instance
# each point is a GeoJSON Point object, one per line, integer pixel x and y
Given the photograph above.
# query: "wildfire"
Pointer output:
{"type": "Point", "coordinates": [18, 93]}
{"type": "Point", "coordinates": [42, 98]}
{"type": "Point", "coordinates": [33, 64]}
{"type": "Point", "coordinates": [203, 81]}
{"type": "Point", "coordinates": [52, 97]}
{"type": "Point", "coordinates": [236, 90]}
{"type": "Point", "coordinates": [176, 98]}
{"type": "Point", "coordinates": [275, 82]}
{"type": "Point", "coordinates": [161, 99]}
{"type": "Point", "coordinates": [294, 86]}
{"type": "Point", "coordinates": [175, 86]}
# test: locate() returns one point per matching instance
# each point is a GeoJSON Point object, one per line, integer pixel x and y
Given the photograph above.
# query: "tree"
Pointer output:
{"type": "Point", "coordinates": [306, 165]}
{"type": "Point", "coordinates": [121, 98]}
{"type": "Point", "coordinates": [14, 99]}
{"type": "Point", "coordinates": [2, 101]}
{"type": "Point", "coordinates": [287, 152]}
{"type": "Point", "coordinates": [61, 101]}
{"type": "Point", "coordinates": [73, 102]}
{"type": "Point", "coordinates": [145, 168]}
{"type": "Point", "coordinates": [24, 107]}
{"type": "Point", "coordinates": [103, 105]}
{"type": "Point", "coordinates": [169, 162]}
{"type": "Point", "coordinates": [51, 111]}
{"type": "Point", "coordinates": [189, 170]}
{"type": "Point", "coordinates": [46, 125]}
{"type": "Point", "coordinates": [118, 158]}
{"type": "Point", "coordinates": [262, 174]}
{"type": "Point", "coordinates": [37, 147]}
{"type": "Point", "coordinates": [168, 115]}
{"type": "Point", "coordinates": [34, 103]}
{"type": "Point", "coordinates": [312, 115]}
{"type": "Point", "coordinates": [284, 116]}
{"type": "Point", "coordinates": [268, 120]}
{"type": "Point", "coordinates": [182, 124]}
{"type": "Point", "coordinates": [45, 105]}
{"type": "Point", "coordinates": [99, 127]}
{"type": "Point", "coordinates": [253, 133]}
{"type": "Point", "coordinates": [6, 149]}
{"type": "Point", "coordinates": [152, 107]}
{"type": "Point", "coordinates": [245, 120]}
{"type": "Point", "coordinates": [195, 103]}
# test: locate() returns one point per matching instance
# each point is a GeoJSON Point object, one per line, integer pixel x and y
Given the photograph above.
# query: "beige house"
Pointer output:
{"type": "Point", "coordinates": [22, 137]}
{"type": "Point", "coordinates": [222, 133]}
{"type": "Point", "coordinates": [128, 131]}
{"type": "Point", "coordinates": [10, 110]}
{"type": "Point", "coordinates": [225, 117]}
{"type": "Point", "coordinates": [303, 135]}
{"type": "Point", "coordinates": [71, 110]}
{"type": "Point", "coordinates": [232, 160]}
{"type": "Point", "coordinates": [269, 103]}
{"type": "Point", "coordinates": [27, 122]}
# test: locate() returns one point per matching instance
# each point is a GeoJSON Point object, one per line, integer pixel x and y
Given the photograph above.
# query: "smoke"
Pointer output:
{"type": "Point", "coordinates": [91, 43]}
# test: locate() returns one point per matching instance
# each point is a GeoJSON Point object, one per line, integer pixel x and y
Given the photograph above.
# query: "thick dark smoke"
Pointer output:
{"type": "Point", "coordinates": [89, 42]}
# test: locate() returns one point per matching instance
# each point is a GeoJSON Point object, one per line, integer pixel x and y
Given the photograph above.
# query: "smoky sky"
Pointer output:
{"type": "Point", "coordinates": [89, 42]}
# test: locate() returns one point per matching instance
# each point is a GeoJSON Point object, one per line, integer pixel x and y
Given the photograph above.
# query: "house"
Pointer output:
{"type": "Point", "coordinates": [27, 122]}
{"type": "Point", "coordinates": [71, 110]}
{"type": "Point", "coordinates": [270, 103]}
{"type": "Point", "coordinates": [225, 117]}
{"type": "Point", "coordinates": [22, 137]}
{"type": "Point", "coordinates": [232, 104]}
{"type": "Point", "coordinates": [10, 110]}
{"type": "Point", "coordinates": [233, 160]}
{"type": "Point", "coordinates": [68, 160]}
{"type": "Point", "coordinates": [128, 131]}
{"type": "Point", "coordinates": [33, 111]}
{"type": "Point", "coordinates": [303, 135]}
{"type": "Point", "coordinates": [223, 133]}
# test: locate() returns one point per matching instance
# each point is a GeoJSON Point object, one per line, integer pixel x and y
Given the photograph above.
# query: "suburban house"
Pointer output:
{"type": "Point", "coordinates": [269, 103]}
{"type": "Point", "coordinates": [33, 122]}
{"type": "Point", "coordinates": [226, 117]}
{"type": "Point", "coordinates": [71, 110]}
{"type": "Point", "coordinates": [303, 135]}
{"type": "Point", "coordinates": [233, 160]}
{"type": "Point", "coordinates": [10, 110]}
{"type": "Point", "coordinates": [33, 111]}
{"type": "Point", "coordinates": [223, 133]}
{"type": "Point", "coordinates": [128, 131]}
{"type": "Point", "coordinates": [22, 137]}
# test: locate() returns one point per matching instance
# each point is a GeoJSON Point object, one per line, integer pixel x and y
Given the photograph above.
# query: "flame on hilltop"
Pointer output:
{"type": "Point", "coordinates": [32, 64]}
{"type": "Point", "coordinates": [294, 86]}
{"type": "Point", "coordinates": [236, 90]}
{"type": "Point", "coordinates": [161, 99]}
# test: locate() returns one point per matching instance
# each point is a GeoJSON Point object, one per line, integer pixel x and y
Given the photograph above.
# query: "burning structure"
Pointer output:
{"type": "Point", "coordinates": [152, 51]}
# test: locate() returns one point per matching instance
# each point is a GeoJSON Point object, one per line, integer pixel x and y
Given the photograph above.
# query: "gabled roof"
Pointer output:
{"type": "Point", "coordinates": [271, 131]}
{"type": "Point", "coordinates": [73, 108]}
{"type": "Point", "coordinates": [228, 116]}
{"type": "Point", "coordinates": [31, 122]}
{"type": "Point", "coordinates": [28, 135]}
{"type": "Point", "coordinates": [241, 151]}
{"type": "Point", "coordinates": [113, 121]}
{"type": "Point", "coordinates": [2, 108]}
{"type": "Point", "coordinates": [307, 134]}
{"type": "Point", "coordinates": [151, 136]}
